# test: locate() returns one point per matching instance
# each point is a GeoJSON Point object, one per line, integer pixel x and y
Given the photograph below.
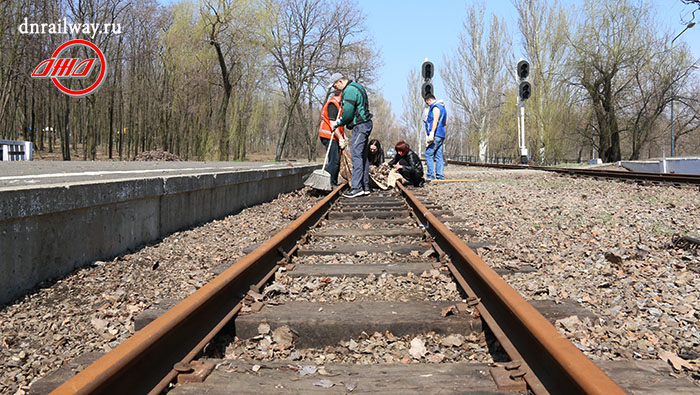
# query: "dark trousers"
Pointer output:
{"type": "Point", "coordinates": [360, 152]}
{"type": "Point", "coordinates": [333, 166]}
{"type": "Point", "coordinates": [410, 177]}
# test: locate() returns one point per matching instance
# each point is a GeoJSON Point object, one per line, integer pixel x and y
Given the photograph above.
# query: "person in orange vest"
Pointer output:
{"type": "Point", "coordinates": [331, 111]}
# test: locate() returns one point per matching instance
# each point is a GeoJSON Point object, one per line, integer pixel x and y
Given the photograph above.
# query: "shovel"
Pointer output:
{"type": "Point", "coordinates": [321, 179]}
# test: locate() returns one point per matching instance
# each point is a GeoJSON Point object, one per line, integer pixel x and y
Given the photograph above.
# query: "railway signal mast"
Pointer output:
{"type": "Point", "coordinates": [524, 93]}
{"type": "Point", "coordinates": [427, 71]}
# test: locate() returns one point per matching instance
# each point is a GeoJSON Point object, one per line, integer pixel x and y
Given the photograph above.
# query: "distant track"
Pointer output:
{"type": "Point", "coordinates": [626, 175]}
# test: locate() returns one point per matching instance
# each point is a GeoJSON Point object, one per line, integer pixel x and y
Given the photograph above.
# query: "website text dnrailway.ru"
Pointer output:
{"type": "Point", "coordinates": [63, 27]}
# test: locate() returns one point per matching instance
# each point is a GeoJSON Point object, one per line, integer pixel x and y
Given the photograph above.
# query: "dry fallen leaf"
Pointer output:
{"type": "Point", "coordinates": [308, 370]}
{"type": "Point", "coordinates": [350, 385]}
{"type": "Point", "coordinates": [417, 348]}
{"type": "Point", "coordinates": [324, 383]}
{"type": "Point", "coordinates": [677, 362]}
{"type": "Point", "coordinates": [263, 328]}
{"type": "Point", "coordinates": [448, 311]}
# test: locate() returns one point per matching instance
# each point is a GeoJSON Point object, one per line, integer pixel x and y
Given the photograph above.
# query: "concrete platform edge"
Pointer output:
{"type": "Point", "coordinates": [47, 232]}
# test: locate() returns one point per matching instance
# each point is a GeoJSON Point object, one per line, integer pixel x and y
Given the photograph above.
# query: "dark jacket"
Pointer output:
{"type": "Point", "coordinates": [355, 105]}
{"type": "Point", "coordinates": [376, 159]}
{"type": "Point", "coordinates": [412, 169]}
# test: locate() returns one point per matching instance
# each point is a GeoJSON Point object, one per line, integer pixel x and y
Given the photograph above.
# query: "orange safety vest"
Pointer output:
{"type": "Point", "coordinates": [325, 129]}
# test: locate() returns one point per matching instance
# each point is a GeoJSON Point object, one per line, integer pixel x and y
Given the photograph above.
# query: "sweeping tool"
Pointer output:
{"type": "Point", "coordinates": [321, 179]}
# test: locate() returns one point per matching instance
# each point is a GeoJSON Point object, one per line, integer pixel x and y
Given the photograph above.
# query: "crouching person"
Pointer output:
{"type": "Point", "coordinates": [407, 164]}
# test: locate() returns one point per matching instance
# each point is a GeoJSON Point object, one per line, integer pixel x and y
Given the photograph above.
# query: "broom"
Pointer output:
{"type": "Point", "coordinates": [321, 179]}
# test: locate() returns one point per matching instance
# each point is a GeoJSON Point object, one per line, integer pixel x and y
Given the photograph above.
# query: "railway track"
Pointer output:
{"type": "Point", "coordinates": [622, 175]}
{"type": "Point", "coordinates": [242, 309]}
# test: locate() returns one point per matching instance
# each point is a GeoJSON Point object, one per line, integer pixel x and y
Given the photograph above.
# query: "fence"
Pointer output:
{"type": "Point", "coordinates": [495, 159]}
{"type": "Point", "coordinates": [16, 150]}
{"type": "Point", "coordinates": [511, 160]}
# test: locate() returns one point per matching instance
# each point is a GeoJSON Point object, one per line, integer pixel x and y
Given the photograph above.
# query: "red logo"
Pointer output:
{"type": "Point", "coordinates": [56, 68]}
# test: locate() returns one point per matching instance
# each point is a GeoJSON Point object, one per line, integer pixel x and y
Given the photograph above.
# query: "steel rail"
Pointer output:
{"type": "Point", "coordinates": [558, 365]}
{"type": "Point", "coordinates": [144, 363]}
{"type": "Point", "coordinates": [629, 175]}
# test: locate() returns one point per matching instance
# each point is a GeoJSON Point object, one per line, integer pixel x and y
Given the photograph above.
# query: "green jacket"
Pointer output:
{"type": "Point", "coordinates": [355, 105]}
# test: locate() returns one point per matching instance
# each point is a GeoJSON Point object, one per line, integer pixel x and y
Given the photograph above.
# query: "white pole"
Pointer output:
{"type": "Point", "coordinates": [523, 147]}
{"type": "Point", "coordinates": [28, 153]}
{"type": "Point", "coordinates": [517, 116]}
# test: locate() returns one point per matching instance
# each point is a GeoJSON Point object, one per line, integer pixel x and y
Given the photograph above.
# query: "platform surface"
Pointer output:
{"type": "Point", "coordinates": [19, 175]}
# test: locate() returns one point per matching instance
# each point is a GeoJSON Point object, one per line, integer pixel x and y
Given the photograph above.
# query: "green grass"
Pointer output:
{"type": "Point", "coordinates": [660, 228]}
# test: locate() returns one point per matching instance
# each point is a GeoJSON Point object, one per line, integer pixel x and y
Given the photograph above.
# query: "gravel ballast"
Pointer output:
{"type": "Point", "coordinates": [94, 308]}
{"type": "Point", "coordinates": [604, 244]}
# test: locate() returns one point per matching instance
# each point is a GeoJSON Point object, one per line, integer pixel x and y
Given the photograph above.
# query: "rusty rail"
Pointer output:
{"type": "Point", "coordinates": [628, 175]}
{"type": "Point", "coordinates": [556, 365]}
{"type": "Point", "coordinates": [144, 363]}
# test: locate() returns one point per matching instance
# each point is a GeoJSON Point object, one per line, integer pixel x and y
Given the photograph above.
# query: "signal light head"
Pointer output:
{"type": "Point", "coordinates": [427, 70]}
{"type": "Point", "coordinates": [524, 90]}
{"type": "Point", "coordinates": [523, 69]}
{"type": "Point", "coordinates": [426, 89]}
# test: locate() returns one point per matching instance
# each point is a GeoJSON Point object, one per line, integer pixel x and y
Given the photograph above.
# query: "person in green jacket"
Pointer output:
{"type": "Point", "coordinates": [355, 116]}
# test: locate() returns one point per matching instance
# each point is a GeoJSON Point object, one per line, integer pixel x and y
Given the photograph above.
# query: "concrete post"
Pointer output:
{"type": "Point", "coordinates": [28, 150]}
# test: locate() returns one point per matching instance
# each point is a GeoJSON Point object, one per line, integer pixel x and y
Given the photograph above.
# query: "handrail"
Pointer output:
{"type": "Point", "coordinates": [16, 150]}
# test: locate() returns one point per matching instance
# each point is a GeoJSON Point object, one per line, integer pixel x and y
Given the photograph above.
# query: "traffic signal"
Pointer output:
{"type": "Point", "coordinates": [427, 89]}
{"type": "Point", "coordinates": [524, 90]}
{"type": "Point", "coordinates": [523, 69]}
{"type": "Point", "coordinates": [427, 70]}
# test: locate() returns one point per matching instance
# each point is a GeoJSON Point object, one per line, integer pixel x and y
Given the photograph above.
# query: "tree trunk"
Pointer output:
{"type": "Point", "coordinates": [66, 132]}
{"type": "Point", "coordinates": [283, 135]}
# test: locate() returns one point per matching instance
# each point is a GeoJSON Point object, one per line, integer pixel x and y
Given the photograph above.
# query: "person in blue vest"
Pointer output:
{"type": "Point", "coordinates": [435, 128]}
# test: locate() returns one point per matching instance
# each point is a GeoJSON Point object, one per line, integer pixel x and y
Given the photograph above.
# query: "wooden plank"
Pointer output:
{"type": "Point", "coordinates": [380, 214]}
{"type": "Point", "coordinates": [373, 223]}
{"type": "Point", "coordinates": [389, 232]}
{"type": "Point", "coordinates": [368, 214]}
{"type": "Point", "coordinates": [350, 249]}
{"type": "Point", "coordinates": [360, 270]}
{"type": "Point", "coordinates": [236, 377]}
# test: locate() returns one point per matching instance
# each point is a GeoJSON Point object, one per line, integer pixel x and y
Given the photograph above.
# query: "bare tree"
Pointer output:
{"type": "Point", "coordinates": [298, 37]}
{"type": "Point", "coordinates": [350, 53]}
{"type": "Point", "coordinates": [543, 26]}
{"type": "Point", "coordinates": [226, 21]}
{"type": "Point", "coordinates": [385, 128]}
{"type": "Point", "coordinates": [656, 72]}
{"type": "Point", "coordinates": [413, 105]}
{"type": "Point", "coordinates": [196, 78]}
{"type": "Point", "coordinates": [607, 44]}
{"type": "Point", "coordinates": [475, 76]}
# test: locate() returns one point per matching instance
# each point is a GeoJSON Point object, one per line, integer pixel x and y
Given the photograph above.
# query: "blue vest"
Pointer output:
{"type": "Point", "coordinates": [440, 130]}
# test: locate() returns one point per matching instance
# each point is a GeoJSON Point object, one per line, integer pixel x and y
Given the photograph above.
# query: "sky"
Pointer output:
{"type": "Point", "coordinates": [408, 31]}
